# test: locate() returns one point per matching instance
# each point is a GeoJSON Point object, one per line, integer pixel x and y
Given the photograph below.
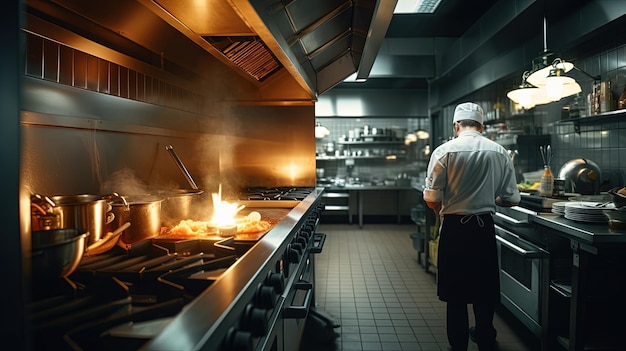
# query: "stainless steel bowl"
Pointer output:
{"type": "Point", "coordinates": [55, 254]}
{"type": "Point", "coordinates": [581, 176]}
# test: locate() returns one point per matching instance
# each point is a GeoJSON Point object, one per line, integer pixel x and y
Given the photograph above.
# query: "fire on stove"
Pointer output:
{"type": "Point", "coordinates": [190, 293]}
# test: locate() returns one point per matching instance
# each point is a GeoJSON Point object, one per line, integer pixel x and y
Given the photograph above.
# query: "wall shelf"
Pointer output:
{"type": "Point", "coordinates": [375, 157]}
{"type": "Point", "coordinates": [603, 117]}
{"type": "Point", "coordinates": [375, 142]}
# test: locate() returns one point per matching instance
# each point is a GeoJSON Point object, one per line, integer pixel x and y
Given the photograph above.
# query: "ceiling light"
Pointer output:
{"type": "Point", "coordinates": [559, 86]}
{"type": "Point", "coordinates": [419, 134]}
{"type": "Point", "coordinates": [321, 131]}
{"type": "Point", "coordinates": [527, 95]}
{"type": "Point", "coordinates": [546, 82]}
{"type": "Point", "coordinates": [542, 66]}
{"type": "Point", "coordinates": [416, 6]}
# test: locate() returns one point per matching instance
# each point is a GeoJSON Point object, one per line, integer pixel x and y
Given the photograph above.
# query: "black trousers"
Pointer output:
{"type": "Point", "coordinates": [457, 324]}
{"type": "Point", "coordinates": [468, 273]}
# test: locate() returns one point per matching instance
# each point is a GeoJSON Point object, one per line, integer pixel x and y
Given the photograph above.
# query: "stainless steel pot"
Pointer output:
{"type": "Point", "coordinates": [90, 212]}
{"type": "Point", "coordinates": [55, 254]}
{"type": "Point", "coordinates": [179, 204]}
{"type": "Point", "coordinates": [142, 211]}
{"type": "Point", "coordinates": [581, 176]}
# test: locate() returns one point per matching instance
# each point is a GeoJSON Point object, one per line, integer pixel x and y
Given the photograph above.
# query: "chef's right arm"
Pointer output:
{"type": "Point", "coordinates": [435, 183]}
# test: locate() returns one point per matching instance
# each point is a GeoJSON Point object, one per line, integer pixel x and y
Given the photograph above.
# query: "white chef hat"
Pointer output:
{"type": "Point", "coordinates": [468, 110]}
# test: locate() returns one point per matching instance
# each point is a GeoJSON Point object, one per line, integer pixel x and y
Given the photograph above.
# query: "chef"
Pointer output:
{"type": "Point", "coordinates": [466, 178]}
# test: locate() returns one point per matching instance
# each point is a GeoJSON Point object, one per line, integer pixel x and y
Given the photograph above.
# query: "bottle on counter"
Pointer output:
{"type": "Point", "coordinates": [547, 182]}
{"type": "Point", "coordinates": [621, 102]}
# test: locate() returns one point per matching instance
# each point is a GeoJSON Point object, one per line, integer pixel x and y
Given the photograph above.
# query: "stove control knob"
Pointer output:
{"type": "Point", "coordinates": [265, 296]}
{"type": "Point", "coordinates": [276, 280]}
{"type": "Point", "coordinates": [238, 340]}
{"type": "Point", "coordinates": [293, 254]}
{"type": "Point", "coordinates": [306, 234]}
{"type": "Point", "coordinates": [254, 320]}
{"type": "Point", "coordinates": [298, 247]}
{"type": "Point", "coordinates": [301, 240]}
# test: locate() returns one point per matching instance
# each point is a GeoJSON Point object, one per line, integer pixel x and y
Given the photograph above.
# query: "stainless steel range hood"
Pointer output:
{"type": "Point", "coordinates": [281, 45]}
{"type": "Point", "coordinates": [318, 42]}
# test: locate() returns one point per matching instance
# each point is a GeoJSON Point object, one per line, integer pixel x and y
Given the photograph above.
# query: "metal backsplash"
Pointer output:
{"type": "Point", "coordinates": [76, 141]}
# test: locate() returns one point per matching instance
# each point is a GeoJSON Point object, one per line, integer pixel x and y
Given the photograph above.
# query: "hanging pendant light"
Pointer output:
{"type": "Point", "coordinates": [548, 60]}
{"type": "Point", "coordinates": [527, 95]}
{"type": "Point", "coordinates": [321, 131]}
{"type": "Point", "coordinates": [546, 82]}
{"type": "Point", "coordinates": [559, 86]}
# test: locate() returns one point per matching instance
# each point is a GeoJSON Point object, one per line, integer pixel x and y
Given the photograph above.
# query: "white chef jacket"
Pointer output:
{"type": "Point", "coordinates": [467, 173]}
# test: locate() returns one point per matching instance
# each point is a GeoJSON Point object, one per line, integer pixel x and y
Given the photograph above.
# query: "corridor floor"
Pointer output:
{"type": "Point", "coordinates": [369, 281]}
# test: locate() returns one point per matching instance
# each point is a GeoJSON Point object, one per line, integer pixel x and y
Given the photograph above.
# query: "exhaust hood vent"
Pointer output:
{"type": "Point", "coordinates": [249, 53]}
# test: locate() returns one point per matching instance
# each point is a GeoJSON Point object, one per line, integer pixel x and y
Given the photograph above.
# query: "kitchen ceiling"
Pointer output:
{"type": "Point", "coordinates": [453, 19]}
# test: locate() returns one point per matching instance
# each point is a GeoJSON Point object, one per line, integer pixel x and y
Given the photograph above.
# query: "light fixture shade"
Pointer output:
{"type": "Point", "coordinates": [559, 86]}
{"type": "Point", "coordinates": [321, 131]}
{"type": "Point", "coordinates": [523, 96]}
{"type": "Point", "coordinates": [422, 134]}
{"type": "Point", "coordinates": [538, 77]}
{"type": "Point", "coordinates": [528, 96]}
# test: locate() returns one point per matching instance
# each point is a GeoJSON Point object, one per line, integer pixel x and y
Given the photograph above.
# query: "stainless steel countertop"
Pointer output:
{"type": "Point", "coordinates": [592, 233]}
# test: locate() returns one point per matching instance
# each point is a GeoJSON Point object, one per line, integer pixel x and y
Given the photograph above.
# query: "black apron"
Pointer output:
{"type": "Point", "coordinates": [467, 269]}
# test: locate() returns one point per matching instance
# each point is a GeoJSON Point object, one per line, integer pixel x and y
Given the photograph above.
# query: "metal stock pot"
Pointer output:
{"type": "Point", "coordinates": [142, 211]}
{"type": "Point", "coordinates": [89, 212]}
{"type": "Point", "coordinates": [178, 205]}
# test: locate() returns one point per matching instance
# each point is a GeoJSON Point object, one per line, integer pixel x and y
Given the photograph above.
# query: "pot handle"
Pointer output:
{"type": "Point", "coordinates": [117, 196]}
{"type": "Point", "coordinates": [181, 166]}
{"type": "Point", "coordinates": [110, 217]}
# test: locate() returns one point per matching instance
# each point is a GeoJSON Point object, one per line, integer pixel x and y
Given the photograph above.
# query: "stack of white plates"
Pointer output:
{"type": "Point", "coordinates": [587, 211]}
{"type": "Point", "coordinates": [559, 207]}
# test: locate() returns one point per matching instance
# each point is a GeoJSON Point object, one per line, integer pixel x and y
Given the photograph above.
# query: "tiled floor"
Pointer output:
{"type": "Point", "coordinates": [369, 281]}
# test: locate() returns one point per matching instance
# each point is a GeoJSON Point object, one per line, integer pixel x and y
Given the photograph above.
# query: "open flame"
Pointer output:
{"type": "Point", "coordinates": [224, 212]}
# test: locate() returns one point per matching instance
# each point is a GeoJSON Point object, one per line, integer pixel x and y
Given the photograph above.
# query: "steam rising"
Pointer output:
{"type": "Point", "coordinates": [124, 182]}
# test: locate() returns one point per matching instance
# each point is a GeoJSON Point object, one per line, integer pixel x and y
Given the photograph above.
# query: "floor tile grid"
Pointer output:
{"type": "Point", "coordinates": [370, 281]}
{"type": "Point", "coordinates": [374, 286]}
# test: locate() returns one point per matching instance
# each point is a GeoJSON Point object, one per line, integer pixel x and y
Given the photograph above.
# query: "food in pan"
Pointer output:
{"type": "Point", "coordinates": [528, 186]}
{"type": "Point", "coordinates": [189, 227]}
{"type": "Point", "coordinates": [250, 224]}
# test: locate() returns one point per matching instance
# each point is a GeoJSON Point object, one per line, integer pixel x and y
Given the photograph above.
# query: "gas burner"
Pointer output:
{"type": "Point", "coordinates": [275, 193]}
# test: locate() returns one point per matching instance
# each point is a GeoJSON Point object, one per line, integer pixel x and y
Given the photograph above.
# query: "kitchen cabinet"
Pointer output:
{"type": "Point", "coordinates": [587, 284]}
{"type": "Point", "coordinates": [337, 200]}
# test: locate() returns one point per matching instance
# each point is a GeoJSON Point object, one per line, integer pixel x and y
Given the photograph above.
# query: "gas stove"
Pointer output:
{"type": "Point", "coordinates": [275, 193]}
{"type": "Point", "coordinates": [161, 294]}
{"type": "Point", "coordinates": [259, 196]}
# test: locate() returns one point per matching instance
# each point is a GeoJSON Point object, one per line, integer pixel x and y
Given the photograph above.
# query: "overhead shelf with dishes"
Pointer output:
{"type": "Point", "coordinates": [376, 149]}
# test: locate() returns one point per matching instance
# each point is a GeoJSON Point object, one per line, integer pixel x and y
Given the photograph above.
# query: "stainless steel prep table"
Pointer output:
{"type": "Point", "coordinates": [592, 245]}
{"type": "Point", "coordinates": [358, 190]}
{"type": "Point", "coordinates": [589, 233]}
